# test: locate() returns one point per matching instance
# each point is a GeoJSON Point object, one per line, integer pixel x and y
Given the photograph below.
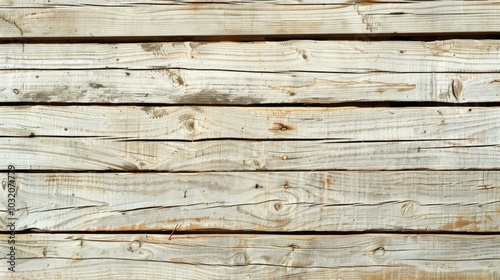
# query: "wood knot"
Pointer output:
{"type": "Point", "coordinates": [286, 185]}
{"type": "Point", "coordinates": [241, 259]}
{"type": "Point", "coordinates": [134, 246]}
{"type": "Point", "coordinates": [456, 89]}
{"type": "Point", "coordinates": [189, 125]}
{"type": "Point", "coordinates": [280, 127]}
{"type": "Point", "coordinates": [380, 251]}
{"type": "Point", "coordinates": [304, 55]}
{"type": "Point", "coordinates": [258, 165]}
{"type": "Point", "coordinates": [176, 79]}
{"type": "Point", "coordinates": [410, 208]}
{"type": "Point", "coordinates": [278, 206]}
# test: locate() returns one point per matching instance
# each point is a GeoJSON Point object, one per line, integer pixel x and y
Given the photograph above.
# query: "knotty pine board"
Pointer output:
{"type": "Point", "coordinates": [424, 201]}
{"type": "Point", "coordinates": [286, 56]}
{"type": "Point", "coordinates": [208, 19]}
{"type": "Point", "coordinates": [204, 87]}
{"type": "Point", "coordinates": [154, 256]}
{"type": "Point", "coordinates": [478, 124]}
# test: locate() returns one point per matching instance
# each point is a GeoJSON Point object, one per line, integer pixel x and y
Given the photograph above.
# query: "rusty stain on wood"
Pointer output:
{"type": "Point", "coordinates": [461, 223]}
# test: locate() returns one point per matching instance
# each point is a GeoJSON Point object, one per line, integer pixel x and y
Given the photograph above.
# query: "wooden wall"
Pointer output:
{"type": "Point", "coordinates": [273, 139]}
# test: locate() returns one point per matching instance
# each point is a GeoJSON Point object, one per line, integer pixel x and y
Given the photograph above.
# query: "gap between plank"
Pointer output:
{"type": "Point", "coordinates": [364, 104]}
{"type": "Point", "coordinates": [168, 232]}
{"type": "Point", "coordinates": [251, 38]}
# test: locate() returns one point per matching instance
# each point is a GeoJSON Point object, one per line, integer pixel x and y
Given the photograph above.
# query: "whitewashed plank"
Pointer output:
{"type": "Point", "coordinates": [222, 87]}
{"type": "Point", "coordinates": [455, 201]}
{"type": "Point", "coordinates": [481, 124]}
{"type": "Point", "coordinates": [207, 19]}
{"type": "Point", "coordinates": [55, 3]}
{"type": "Point", "coordinates": [50, 3]}
{"type": "Point", "coordinates": [316, 56]}
{"type": "Point", "coordinates": [234, 155]}
{"type": "Point", "coordinates": [153, 256]}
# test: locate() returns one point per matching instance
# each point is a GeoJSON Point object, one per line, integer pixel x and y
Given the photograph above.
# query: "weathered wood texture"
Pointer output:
{"type": "Point", "coordinates": [478, 124]}
{"type": "Point", "coordinates": [373, 256]}
{"type": "Point", "coordinates": [239, 155]}
{"type": "Point", "coordinates": [358, 17]}
{"type": "Point", "coordinates": [157, 162]}
{"type": "Point", "coordinates": [205, 87]}
{"type": "Point", "coordinates": [315, 56]}
{"type": "Point", "coordinates": [56, 3]}
{"type": "Point", "coordinates": [454, 201]}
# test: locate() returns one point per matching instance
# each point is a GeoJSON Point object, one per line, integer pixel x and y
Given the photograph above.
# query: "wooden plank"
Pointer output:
{"type": "Point", "coordinates": [113, 3]}
{"type": "Point", "coordinates": [222, 87]}
{"type": "Point", "coordinates": [454, 201]}
{"type": "Point", "coordinates": [207, 19]}
{"type": "Point", "coordinates": [241, 155]}
{"type": "Point", "coordinates": [152, 256]}
{"type": "Point", "coordinates": [315, 56]}
{"type": "Point", "coordinates": [55, 3]}
{"type": "Point", "coordinates": [201, 123]}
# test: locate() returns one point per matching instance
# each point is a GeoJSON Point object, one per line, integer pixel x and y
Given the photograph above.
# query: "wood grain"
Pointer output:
{"type": "Point", "coordinates": [286, 56]}
{"type": "Point", "coordinates": [426, 201]}
{"type": "Point", "coordinates": [207, 19]}
{"type": "Point", "coordinates": [206, 87]}
{"type": "Point", "coordinates": [55, 3]}
{"type": "Point", "coordinates": [371, 256]}
{"type": "Point", "coordinates": [55, 153]}
{"type": "Point", "coordinates": [481, 124]}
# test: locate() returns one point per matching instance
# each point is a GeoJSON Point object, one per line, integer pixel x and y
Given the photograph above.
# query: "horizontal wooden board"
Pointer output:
{"type": "Point", "coordinates": [207, 19]}
{"type": "Point", "coordinates": [56, 3]}
{"type": "Point", "coordinates": [241, 88]}
{"type": "Point", "coordinates": [316, 56]}
{"type": "Point", "coordinates": [241, 155]}
{"type": "Point", "coordinates": [454, 201]}
{"type": "Point", "coordinates": [372, 256]}
{"type": "Point", "coordinates": [481, 124]}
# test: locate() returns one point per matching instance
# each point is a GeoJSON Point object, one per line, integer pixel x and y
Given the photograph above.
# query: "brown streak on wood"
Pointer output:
{"type": "Point", "coordinates": [96, 85]}
{"type": "Point", "coordinates": [462, 223]}
{"type": "Point", "coordinates": [411, 272]}
{"type": "Point", "coordinates": [379, 87]}
{"type": "Point", "coordinates": [197, 6]}
{"type": "Point", "coordinates": [135, 227]}
{"type": "Point", "coordinates": [438, 48]}
{"type": "Point", "coordinates": [154, 48]}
